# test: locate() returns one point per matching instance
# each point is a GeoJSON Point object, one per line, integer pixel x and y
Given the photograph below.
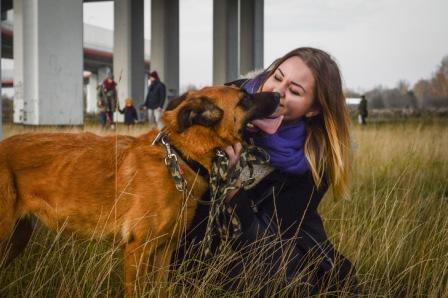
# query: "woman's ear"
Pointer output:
{"type": "Point", "coordinates": [313, 112]}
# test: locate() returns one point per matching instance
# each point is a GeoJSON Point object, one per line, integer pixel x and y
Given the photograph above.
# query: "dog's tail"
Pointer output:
{"type": "Point", "coordinates": [14, 232]}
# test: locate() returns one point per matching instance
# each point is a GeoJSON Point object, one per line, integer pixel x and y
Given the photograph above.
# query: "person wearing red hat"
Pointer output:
{"type": "Point", "coordinates": [107, 101]}
{"type": "Point", "coordinates": [155, 99]}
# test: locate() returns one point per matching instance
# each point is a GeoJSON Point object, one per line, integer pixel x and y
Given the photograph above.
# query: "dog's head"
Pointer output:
{"type": "Point", "coordinates": [200, 121]}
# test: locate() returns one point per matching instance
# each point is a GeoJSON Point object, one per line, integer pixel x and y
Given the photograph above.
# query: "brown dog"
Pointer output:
{"type": "Point", "coordinates": [120, 186]}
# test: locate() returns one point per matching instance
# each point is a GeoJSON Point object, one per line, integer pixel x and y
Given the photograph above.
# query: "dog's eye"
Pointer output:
{"type": "Point", "coordinates": [245, 102]}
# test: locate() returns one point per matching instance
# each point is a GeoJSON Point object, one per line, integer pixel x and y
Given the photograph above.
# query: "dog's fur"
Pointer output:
{"type": "Point", "coordinates": [119, 185]}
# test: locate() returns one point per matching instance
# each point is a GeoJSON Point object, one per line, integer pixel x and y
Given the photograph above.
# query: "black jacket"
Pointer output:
{"type": "Point", "coordinates": [362, 108]}
{"type": "Point", "coordinates": [130, 114]}
{"type": "Point", "coordinates": [156, 95]}
{"type": "Point", "coordinates": [284, 205]}
{"type": "Point", "coordinates": [292, 200]}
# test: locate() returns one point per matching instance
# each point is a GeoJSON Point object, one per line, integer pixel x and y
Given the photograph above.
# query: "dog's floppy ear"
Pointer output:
{"type": "Point", "coordinates": [176, 101]}
{"type": "Point", "coordinates": [198, 111]}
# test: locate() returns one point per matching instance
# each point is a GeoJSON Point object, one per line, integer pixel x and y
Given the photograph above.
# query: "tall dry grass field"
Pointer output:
{"type": "Point", "coordinates": [394, 227]}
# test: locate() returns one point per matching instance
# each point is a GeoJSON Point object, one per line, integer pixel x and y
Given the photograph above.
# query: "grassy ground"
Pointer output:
{"type": "Point", "coordinates": [394, 227]}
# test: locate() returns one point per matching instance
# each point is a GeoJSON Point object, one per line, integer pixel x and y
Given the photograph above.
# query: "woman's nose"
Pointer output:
{"type": "Point", "coordinates": [280, 91]}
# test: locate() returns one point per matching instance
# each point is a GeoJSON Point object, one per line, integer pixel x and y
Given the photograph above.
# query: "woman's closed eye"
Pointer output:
{"type": "Point", "coordinates": [278, 78]}
{"type": "Point", "coordinates": [295, 91]}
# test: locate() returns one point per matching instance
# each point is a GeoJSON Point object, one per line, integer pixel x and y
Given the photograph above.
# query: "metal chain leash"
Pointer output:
{"type": "Point", "coordinates": [174, 167]}
{"type": "Point", "coordinates": [222, 220]}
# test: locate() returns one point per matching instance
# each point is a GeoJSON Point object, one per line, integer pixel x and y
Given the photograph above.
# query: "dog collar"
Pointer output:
{"type": "Point", "coordinates": [171, 161]}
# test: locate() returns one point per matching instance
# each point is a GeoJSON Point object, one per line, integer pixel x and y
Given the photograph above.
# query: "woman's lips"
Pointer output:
{"type": "Point", "coordinates": [268, 125]}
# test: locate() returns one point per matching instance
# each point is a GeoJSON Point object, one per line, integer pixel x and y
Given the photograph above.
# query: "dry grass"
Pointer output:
{"type": "Point", "coordinates": [394, 228]}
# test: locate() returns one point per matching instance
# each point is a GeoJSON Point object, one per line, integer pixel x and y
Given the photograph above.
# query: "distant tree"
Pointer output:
{"type": "Point", "coordinates": [431, 92]}
{"type": "Point", "coordinates": [434, 92]}
{"type": "Point", "coordinates": [405, 97]}
{"type": "Point", "coordinates": [351, 93]}
{"type": "Point", "coordinates": [439, 84]}
{"type": "Point", "coordinates": [375, 98]}
{"type": "Point", "coordinates": [438, 88]}
{"type": "Point", "coordinates": [398, 97]}
{"type": "Point", "coordinates": [403, 87]}
{"type": "Point", "coordinates": [421, 90]}
{"type": "Point", "coordinates": [444, 66]}
{"type": "Point", "coordinates": [392, 98]}
{"type": "Point", "coordinates": [412, 99]}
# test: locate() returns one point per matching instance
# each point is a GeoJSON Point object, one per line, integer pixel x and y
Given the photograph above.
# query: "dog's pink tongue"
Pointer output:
{"type": "Point", "coordinates": [268, 125]}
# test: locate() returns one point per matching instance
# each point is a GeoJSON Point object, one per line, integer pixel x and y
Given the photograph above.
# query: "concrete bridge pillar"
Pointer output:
{"type": "Point", "coordinates": [48, 56]}
{"type": "Point", "coordinates": [129, 72]}
{"type": "Point", "coordinates": [91, 94]}
{"type": "Point", "coordinates": [225, 41]}
{"type": "Point", "coordinates": [251, 35]}
{"type": "Point", "coordinates": [238, 30]}
{"type": "Point", "coordinates": [165, 43]}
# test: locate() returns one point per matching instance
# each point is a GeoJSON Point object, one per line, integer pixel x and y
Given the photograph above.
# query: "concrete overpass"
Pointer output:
{"type": "Point", "coordinates": [49, 57]}
{"type": "Point", "coordinates": [98, 60]}
{"type": "Point", "coordinates": [95, 57]}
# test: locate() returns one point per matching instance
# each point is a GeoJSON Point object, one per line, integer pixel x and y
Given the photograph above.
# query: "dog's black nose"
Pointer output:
{"type": "Point", "coordinates": [269, 96]}
{"type": "Point", "coordinates": [276, 97]}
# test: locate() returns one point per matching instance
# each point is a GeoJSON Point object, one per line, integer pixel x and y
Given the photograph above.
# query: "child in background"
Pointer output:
{"type": "Point", "coordinates": [130, 113]}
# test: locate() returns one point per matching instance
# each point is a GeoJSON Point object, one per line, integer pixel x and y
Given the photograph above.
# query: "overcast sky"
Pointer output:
{"type": "Point", "coordinates": [375, 42]}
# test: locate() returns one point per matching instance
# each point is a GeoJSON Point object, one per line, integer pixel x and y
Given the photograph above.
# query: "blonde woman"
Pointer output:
{"type": "Point", "coordinates": [309, 146]}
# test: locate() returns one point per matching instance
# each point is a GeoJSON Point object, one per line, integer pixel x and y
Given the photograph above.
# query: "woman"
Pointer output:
{"type": "Point", "coordinates": [309, 147]}
{"type": "Point", "coordinates": [107, 101]}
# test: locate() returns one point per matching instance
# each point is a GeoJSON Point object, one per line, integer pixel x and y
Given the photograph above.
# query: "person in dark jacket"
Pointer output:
{"type": "Point", "coordinates": [308, 143]}
{"type": "Point", "coordinates": [130, 113]}
{"type": "Point", "coordinates": [155, 99]}
{"type": "Point", "coordinates": [362, 110]}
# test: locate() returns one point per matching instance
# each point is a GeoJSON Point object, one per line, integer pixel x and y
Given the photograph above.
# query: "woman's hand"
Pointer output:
{"type": "Point", "coordinates": [233, 153]}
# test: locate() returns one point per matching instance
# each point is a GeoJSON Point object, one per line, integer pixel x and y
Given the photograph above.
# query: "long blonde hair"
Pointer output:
{"type": "Point", "coordinates": [327, 143]}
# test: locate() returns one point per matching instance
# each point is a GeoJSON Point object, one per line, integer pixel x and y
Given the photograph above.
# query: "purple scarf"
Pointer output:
{"type": "Point", "coordinates": [286, 146]}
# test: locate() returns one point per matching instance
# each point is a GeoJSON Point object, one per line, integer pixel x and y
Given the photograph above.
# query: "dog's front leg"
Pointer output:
{"type": "Point", "coordinates": [135, 267]}
{"type": "Point", "coordinates": [146, 268]}
{"type": "Point", "coordinates": [159, 263]}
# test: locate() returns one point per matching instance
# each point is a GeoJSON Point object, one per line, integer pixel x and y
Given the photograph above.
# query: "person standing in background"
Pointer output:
{"type": "Point", "coordinates": [130, 113]}
{"type": "Point", "coordinates": [107, 101]}
{"type": "Point", "coordinates": [362, 110]}
{"type": "Point", "coordinates": [155, 99]}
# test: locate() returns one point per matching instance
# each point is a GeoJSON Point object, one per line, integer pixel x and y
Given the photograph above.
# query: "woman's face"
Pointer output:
{"type": "Point", "coordinates": [295, 83]}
